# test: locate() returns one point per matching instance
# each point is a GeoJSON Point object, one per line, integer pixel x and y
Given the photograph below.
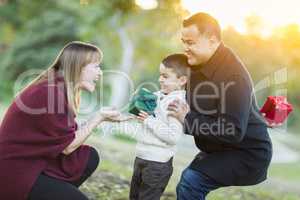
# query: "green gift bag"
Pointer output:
{"type": "Point", "coordinates": [143, 100]}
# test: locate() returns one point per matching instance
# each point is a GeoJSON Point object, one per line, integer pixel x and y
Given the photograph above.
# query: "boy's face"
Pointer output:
{"type": "Point", "coordinates": [169, 81]}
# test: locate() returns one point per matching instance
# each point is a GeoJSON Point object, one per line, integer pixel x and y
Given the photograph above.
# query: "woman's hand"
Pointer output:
{"type": "Point", "coordinates": [123, 118]}
{"type": "Point", "coordinates": [108, 114]}
{"type": "Point", "coordinates": [119, 118]}
{"type": "Point", "coordinates": [113, 115]}
{"type": "Point", "coordinates": [104, 114]}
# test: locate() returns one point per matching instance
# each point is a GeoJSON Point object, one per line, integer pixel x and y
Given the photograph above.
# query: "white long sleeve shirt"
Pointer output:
{"type": "Point", "coordinates": [158, 135]}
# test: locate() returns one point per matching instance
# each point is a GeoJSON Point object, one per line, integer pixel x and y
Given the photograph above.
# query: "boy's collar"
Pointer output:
{"type": "Point", "coordinates": [176, 92]}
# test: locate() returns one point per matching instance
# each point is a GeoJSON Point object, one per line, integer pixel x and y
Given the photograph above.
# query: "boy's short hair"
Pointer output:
{"type": "Point", "coordinates": [205, 24]}
{"type": "Point", "coordinates": [178, 62]}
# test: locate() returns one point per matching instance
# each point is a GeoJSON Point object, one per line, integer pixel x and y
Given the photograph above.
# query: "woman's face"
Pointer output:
{"type": "Point", "coordinates": [90, 74]}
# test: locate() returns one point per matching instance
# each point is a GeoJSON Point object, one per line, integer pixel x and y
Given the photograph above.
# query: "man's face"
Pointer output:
{"type": "Point", "coordinates": [197, 47]}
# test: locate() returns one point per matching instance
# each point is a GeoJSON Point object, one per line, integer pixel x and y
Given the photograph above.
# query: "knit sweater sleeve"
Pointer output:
{"type": "Point", "coordinates": [55, 124]}
{"type": "Point", "coordinates": [169, 132]}
{"type": "Point", "coordinates": [168, 129]}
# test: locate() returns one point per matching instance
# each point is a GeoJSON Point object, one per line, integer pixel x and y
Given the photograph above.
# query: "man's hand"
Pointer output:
{"type": "Point", "coordinates": [178, 109]}
{"type": "Point", "coordinates": [271, 125]}
{"type": "Point", "coordinates": [142, 116]}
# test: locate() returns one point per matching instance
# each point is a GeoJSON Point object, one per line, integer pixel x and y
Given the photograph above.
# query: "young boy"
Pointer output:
{"type": "Point", "coordinates": [156, 145]}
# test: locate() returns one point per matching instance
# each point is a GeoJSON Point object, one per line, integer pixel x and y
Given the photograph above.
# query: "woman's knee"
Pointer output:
{"type": "Point", "coordinates": [94, 160]}
{"type": "Point", "coordinates": [49, 188]}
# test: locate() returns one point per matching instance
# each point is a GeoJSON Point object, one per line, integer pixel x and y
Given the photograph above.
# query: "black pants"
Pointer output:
{"type": "Point", "coordinates": [149, 179]}
{"type": "Point", "coordinates": [48, 188]}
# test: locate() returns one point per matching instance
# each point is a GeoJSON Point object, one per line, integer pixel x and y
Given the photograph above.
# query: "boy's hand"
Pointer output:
{"type": "Point", "coordinates": [142, 116]}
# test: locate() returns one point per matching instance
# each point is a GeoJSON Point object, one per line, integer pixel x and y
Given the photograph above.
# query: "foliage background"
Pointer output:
{"type": "Point", "coordinates": [32, 33]}
{"type": "Point", "coordinates": [134, 41]}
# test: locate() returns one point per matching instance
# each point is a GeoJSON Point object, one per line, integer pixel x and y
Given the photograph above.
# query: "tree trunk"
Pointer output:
{"type": "Point", "coordinates": [121, 82]}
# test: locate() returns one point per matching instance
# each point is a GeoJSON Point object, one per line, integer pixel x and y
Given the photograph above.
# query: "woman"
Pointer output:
{"type": "Point", "coordinates": [42, 155]}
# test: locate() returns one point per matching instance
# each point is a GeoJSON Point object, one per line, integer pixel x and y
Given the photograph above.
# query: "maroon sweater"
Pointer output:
{"type": "Point", "coordinates": [32, 141]}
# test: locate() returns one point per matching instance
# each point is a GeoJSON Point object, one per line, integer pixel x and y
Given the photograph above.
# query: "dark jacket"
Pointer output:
{"type": "Point", "coordinates": [225, 122]}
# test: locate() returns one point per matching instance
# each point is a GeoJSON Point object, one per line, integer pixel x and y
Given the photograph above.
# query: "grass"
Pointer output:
{"type": "Point", "coordinates": [114, 168]}
{"type": "Point", "coordinates": [118, 160]}
{"type": "Point", "coordinates": [258, 192]}
{"type": "Point", "coordinates": [119, 136]}
{"type": "Point", "coordinates": [250, 193]}
{"type": "Point", "coordinates": [124, 138]}
{"type": "Point", "coordinates": [286, 172]}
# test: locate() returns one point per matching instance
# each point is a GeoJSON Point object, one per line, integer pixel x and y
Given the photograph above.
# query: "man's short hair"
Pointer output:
{"type": "Point", "coordinates": [205, 23]}
{"type": "Point", "coordinates": [178, 62]}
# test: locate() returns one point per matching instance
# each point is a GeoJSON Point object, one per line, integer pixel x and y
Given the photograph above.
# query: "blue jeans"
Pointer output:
{"type": "Point", "coordinates": [194, 185]}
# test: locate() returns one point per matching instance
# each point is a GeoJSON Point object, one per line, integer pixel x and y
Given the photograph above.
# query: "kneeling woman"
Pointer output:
{"type": "Point", "coordinates": [42, 155]}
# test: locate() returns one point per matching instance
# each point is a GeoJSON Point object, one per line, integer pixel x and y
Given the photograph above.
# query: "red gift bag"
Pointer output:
{"type": "Point", "coordinates": [276, 109]}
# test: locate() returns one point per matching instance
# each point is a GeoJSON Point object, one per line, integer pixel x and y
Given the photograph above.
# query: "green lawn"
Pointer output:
{"type": "Point", "coordinates": [286, 172]}
{"type": "Point", "coordinates": [251, 193]}
{"type": "Point", "coordinates": [123, 174]}
{"type": "Point", "coordinates": [117, 152]}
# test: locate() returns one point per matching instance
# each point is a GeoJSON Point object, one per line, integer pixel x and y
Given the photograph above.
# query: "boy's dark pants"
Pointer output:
{"type": "Point", "coordinates": [149, 179]}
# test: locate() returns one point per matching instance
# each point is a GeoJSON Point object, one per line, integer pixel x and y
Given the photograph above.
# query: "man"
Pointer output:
{"type": "Point", "coordinates": [222, 115]}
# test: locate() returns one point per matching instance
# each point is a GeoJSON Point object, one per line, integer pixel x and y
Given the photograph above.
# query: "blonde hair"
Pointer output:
{"type": "Point", "coordinates": [70, 62]}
